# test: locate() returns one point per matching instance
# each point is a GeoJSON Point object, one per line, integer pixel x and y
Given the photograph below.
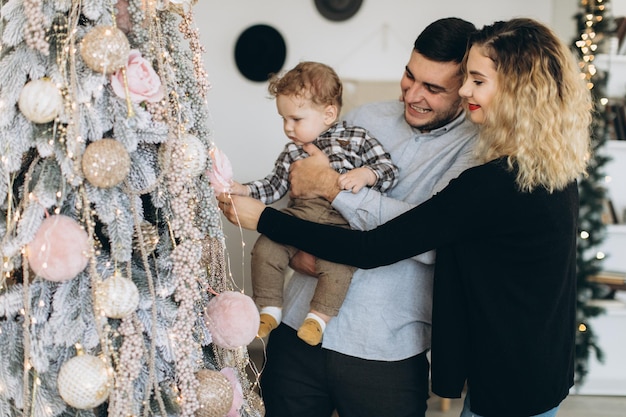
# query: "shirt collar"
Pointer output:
{"type": "Point", "coordinates": [457, 121]}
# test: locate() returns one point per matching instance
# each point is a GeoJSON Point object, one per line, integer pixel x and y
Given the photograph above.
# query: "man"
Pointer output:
{"type": "Point", "coordinates": [372, 361]}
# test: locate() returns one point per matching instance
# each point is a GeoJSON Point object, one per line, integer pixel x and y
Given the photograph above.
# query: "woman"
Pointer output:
{"type": "Point", "coordinates": [505, 231]}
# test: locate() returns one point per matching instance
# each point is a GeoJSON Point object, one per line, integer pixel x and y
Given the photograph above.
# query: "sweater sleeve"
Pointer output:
{"type": "Point", "coordinates": [460, 211]}
{"type": "Point", "coordinates": [276, 184]}
{"type": "Point", "coordinates": [472, 206]}
{"type": "Point", "coordinates": [384, 245]}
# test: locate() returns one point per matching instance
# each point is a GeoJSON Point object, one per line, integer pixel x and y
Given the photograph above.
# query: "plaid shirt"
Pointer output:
{"type": "Point", "coordinates": [347, 147]}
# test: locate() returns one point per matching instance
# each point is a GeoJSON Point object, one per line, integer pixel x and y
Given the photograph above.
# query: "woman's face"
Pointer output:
{"type": "Point", "coordinates": [480, 86]}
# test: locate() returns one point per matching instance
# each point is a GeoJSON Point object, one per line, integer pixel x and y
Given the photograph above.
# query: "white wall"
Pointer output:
{"type": "Point", "coordinates": [374, 44]}
{"type": "Point", "coordinates": [618, 7]}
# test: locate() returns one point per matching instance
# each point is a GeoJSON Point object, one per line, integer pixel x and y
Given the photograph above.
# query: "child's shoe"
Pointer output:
{"type": "Point", "coordinates": [311, 332]}
{"type": "Point", "coordinates": [267, 324]}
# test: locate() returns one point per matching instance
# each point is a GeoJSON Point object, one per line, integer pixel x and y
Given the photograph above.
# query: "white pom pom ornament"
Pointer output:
{"type": "Point", "coordinates": [59, 250]}
{"type": "Point", "coordinates": [84, 382]}
{"type": "Point", "coordinates": [40, 101]}
{"type": "Point", "coordinates": [118, 297]}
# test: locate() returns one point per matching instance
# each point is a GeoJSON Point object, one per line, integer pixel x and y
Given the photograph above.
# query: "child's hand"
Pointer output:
{"type": "Point", "coordinates": [356, 179]}
{"type": "Point", "coordinates": [239, 189]}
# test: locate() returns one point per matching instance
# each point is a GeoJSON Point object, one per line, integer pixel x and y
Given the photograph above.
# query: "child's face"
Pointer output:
{"type": "Point", "coordinates": [480, 85]}
{"type": "Point", "coordinates": [303, 120]}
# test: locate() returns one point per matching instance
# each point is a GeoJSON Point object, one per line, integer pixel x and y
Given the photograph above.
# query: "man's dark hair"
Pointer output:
{"type": "Point", "coordinates": [445, 40]}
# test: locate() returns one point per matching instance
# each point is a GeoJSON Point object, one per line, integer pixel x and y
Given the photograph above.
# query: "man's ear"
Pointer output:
{"type": "Point", "coordinates": [331, 113]}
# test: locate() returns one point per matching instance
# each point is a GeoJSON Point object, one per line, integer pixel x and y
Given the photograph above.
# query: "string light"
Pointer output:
{"type": "Point", "coordinates": [589, 39]}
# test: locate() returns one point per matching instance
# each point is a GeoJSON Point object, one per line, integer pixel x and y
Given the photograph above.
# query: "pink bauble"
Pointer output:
{"type": "Point", "coordinates": [231, 374]}
{"type": "Point", "coordinates": [233, 319]}
{"type": "Point", "coordinates": [59, 250]}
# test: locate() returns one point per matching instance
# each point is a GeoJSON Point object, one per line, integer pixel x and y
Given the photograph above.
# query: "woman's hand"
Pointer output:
{"type": "Point", "coordinates": [240, 210]}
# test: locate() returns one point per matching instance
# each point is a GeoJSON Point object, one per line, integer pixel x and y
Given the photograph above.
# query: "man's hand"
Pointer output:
{"type": "Point", "coordinates": [313, 177]}
{"type": "Point", "coordinates": [303, 263]}
{"type": "Point", "coordinates": [244, 211]}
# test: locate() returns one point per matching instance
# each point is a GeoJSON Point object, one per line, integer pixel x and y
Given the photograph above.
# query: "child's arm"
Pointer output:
{"type": "Point", "coordinates": [239, 189]}
{"type": "Point", "coordinates": [275, 185]}
{"type": "Point", "coordinates": [373, 156]}
{"type": "Point", "coordinates": [357, 178]}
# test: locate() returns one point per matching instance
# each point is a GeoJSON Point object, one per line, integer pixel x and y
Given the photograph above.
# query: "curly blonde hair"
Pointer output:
{"type": "Point", "coordinates": [541, 114]}
{"type": "Point", "coordinates": [310, 80]}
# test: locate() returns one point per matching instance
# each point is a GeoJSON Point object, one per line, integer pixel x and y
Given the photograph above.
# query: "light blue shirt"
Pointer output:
{"type": "Point", "coordinates": [387, 312]}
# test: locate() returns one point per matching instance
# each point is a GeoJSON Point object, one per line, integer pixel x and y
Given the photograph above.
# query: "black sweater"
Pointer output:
{"type": "Point", "coordinates": [504, 292]}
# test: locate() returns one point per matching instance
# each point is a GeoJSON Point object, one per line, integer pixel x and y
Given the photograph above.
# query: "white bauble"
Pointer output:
{"type": "Point", "coordinates": [84, 382]}
{"type": "Point", "coordinates": [118, 297]}
{"type": "Point", "coordinates": [40, 101]}
{"type": "Point", "coordinates": [195, 156]}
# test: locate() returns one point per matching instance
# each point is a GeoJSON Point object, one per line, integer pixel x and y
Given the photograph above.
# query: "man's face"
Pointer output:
{"type": "Point", "coordinates": [430, 91]}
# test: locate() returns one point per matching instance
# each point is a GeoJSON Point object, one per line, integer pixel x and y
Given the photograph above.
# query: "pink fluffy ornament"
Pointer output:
{"type": "Point", "coordinates": [59, 250]}
{"type": "Point", "coordinates": [233, 319]}
{"type": "Point", "coordinates": [221, 173]}
{"type": "Point", "coordinates": [237, 391]}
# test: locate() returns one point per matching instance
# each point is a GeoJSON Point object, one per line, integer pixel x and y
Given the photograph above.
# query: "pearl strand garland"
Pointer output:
{"type": "Point", "coordinates": [197, 49]}
{"type": "Point", "coordinates": [128, 367]}
{"type": "Point", "coordinates": [186, 262]}
{"type": "Point", "coordinates": [34, 33]}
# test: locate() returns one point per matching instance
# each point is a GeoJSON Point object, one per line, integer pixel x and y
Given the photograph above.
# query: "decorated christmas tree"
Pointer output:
{"type": "Point", "coordinates": [115, 298]}
{"type": "Point", "coordinates": [595, 24]}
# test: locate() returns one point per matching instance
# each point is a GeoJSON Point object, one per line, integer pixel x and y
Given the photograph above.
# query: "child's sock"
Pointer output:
{"type": "Point", "coordinates": [312, 329]}
{"type": "Point", "coordinates": [269, 320]}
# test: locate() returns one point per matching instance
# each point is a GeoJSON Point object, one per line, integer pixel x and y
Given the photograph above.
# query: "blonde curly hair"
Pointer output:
{"type": "Point", "coordinates": [541, 114]}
